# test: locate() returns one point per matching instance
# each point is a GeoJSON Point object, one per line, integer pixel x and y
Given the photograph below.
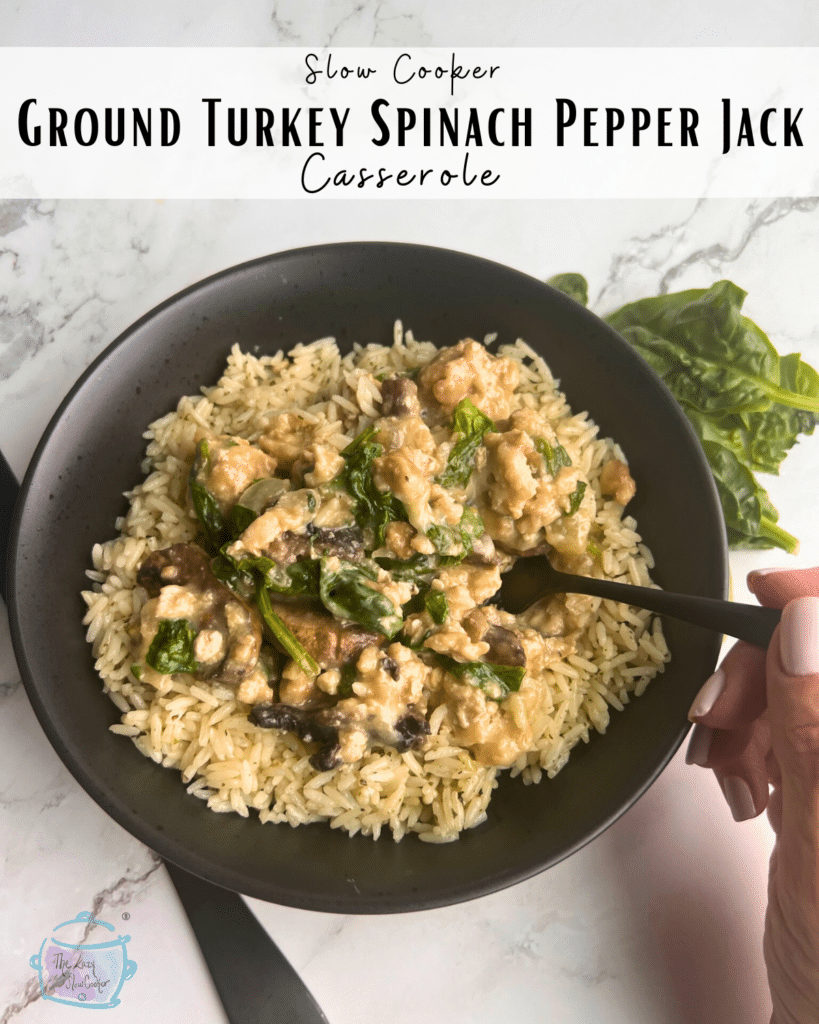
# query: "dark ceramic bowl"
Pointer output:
{"type": "Point", "coordinates": [91, 453]}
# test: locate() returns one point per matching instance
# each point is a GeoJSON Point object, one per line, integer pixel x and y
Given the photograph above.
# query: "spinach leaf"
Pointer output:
{"type": "Point", "coordinates": [239, 519]}
{"type": "Point", "coordinates": [573, 285]}
{"type": "Point", "coordinates": [454, 543]}
{"type": "Point", "coordinates": [725, 362]}
{"type": "Point", "coordinates": [289, 643]}
{"type": "Point", "coordinates": [227, 570]}
{"type": "Point", "coordinates": [484, 674]}
{"type": "Point", "coordinates": [471, 424]}
{"type": "Point", "coordinates": [219, 530]}
{"type": "Point", "coordinates": [344, 593]}
{"type": "Point", "coordinates": [417, 569]}
{"type": "Point", "coordinates": [576, 497]}
{"type": "Point", "coordinates": [750, 518]}
{"type": "Point", "coordinates": [373, 509]}
{"type": "Point", "coordinates": [204, 504]}
{"type": "Point", "coordinates": [593, 550]}
{"type": "Point", "coordinates": [301, 579]}
{"type": "Point", "coordinates": [437, 605]}
{"type": "Point", "coordinates": [553, 457]}
{"type": "Point", "coordinates": [171, 649]}
{"type": "Point", "coordinates": [348, 677]}
{"type": "Point", "coordinates": [747, 405]}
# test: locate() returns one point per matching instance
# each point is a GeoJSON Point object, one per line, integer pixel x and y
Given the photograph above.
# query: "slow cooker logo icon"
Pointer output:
{"type": "Point", "coordinates": [83, 974]}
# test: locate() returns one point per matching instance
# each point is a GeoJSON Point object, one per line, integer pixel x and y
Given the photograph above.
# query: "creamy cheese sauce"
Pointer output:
{"type": "Point", "coordinates": [374, 567]}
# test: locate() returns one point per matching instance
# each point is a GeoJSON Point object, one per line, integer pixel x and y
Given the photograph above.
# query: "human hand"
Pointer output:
{"type": "Point", "coordinates": [757, 727]}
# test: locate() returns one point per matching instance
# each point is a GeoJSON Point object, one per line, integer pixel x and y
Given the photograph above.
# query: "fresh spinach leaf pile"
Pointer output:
{"type": "Point", "coordinates": [747, 404]}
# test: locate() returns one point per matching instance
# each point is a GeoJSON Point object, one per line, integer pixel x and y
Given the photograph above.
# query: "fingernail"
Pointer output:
{"type": "Point", "coordinates": [799, 637]}
{"type": "Point", "coordinates": [699, 745]}
{"type": "Point", "coordinates": [754, 573]}
{"type": "Point", "coordinates": [707, 697]}
{"type": "Point", "coordinates": [737, 794]}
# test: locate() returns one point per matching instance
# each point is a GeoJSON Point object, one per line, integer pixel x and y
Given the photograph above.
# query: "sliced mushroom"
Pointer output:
{"type": "Point", "coordinates": [345, 542]}
{"type": "Point", "coordinates": [289, 547]}
{"type": "Point", "coordinates": [483, 552]}
{"type": "Point", "coordinates": [263, 494]}
{"type": "Point", "coordinates": [181, 564]}
{"type": "Point", "coordinates": [505, 647]}
{"type": "Point", "coordinates": [316, 725]}
{"type": "Point", "coordinates": [399, 397]}
{"type": "Point", "coordinates": [228, 630]}
{"type": "Point", "coordinates": [329, 642]}
{"type": "Point", "coordinates": [411, 730]}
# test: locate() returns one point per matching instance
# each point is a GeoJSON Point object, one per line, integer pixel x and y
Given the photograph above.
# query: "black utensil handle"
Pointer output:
{"type": "Point", "coordinates": [254, 980]}
{"type": "Point", "coordinates": [9, 492]}
{"type": "Point", "coordinates": [745, 621]}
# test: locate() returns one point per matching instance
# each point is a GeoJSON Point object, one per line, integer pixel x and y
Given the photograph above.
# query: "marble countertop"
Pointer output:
{"type": "Point", "coordinates": [660, 918]}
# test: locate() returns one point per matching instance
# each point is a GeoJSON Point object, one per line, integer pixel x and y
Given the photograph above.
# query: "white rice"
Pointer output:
{"type": "Point", "coordinates": [203, 732]}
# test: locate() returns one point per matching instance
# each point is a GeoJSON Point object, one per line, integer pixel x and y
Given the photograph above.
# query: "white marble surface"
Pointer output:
{"type": "Point", "coordinates": [409, 23]}
{"type": "Point", "coordinates": [659, 919]}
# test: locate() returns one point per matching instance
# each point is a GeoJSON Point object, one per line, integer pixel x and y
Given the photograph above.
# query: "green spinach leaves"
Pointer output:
{"type": "Point", "coordinates": [344, 593]}
{"type": "Point", "coordinates": [495, 680]}
{"type": "Point", "coordinates": [171, 649]}
{"type": "Point", "coordinates": [471, 424]}
{"type": "Point", "coordinates": [373, 509]}
{"type": "Point", "coordinates": [748, 405]}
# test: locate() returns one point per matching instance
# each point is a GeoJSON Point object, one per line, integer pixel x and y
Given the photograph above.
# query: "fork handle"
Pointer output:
{"type": "Point", "coordinates": [747, 622]}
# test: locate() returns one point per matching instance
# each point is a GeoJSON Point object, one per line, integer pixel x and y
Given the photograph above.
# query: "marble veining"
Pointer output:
{"type": "Point", "coordinates": [660, 918]}
{"type": "Point", "coordinates": [408, 23]}
{"type": "Point", "coordinates": [633, 927]}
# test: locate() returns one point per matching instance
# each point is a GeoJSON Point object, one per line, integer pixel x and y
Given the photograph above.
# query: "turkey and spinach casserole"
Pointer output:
{"type": "Point", "coordinates": [298, 613]}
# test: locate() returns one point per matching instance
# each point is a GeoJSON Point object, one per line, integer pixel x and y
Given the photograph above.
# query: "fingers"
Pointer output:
{"type": "Point", "coordinates": [793, 709]}
{"type": "Point", "coordinates": [747, 747]}
{"type": "Point", "coordinates": [739, 759]}
{"type": "Point", "coordinates": [773, 588]}
{"type": "Point", "coordinates": [735, 694]}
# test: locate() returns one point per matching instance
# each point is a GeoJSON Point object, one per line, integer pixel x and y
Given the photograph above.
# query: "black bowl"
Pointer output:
{"type": "Point", "coordinates": [91, 454]}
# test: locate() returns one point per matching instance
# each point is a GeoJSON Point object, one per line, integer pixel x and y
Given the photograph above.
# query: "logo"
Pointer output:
{"type": "Point", "coordinates": [85, 974]}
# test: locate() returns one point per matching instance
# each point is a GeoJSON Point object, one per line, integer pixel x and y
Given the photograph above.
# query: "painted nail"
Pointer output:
{"type": "Point", "coordinates": [767, 572]}
{"type": "Point", "coordinates": [699, 745]}
{"type": "Point", "coordinates": [799, 637]}
{"type": "Point", "coordinates": [737, 794]}
{"type": "Point", "coordinates": [707, 697]}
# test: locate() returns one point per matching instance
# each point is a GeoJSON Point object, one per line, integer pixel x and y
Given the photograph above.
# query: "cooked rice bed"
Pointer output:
{"type": "Point", "coordinates": [203, 732]}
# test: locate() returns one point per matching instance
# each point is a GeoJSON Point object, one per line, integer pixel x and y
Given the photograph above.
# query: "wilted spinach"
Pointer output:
{"type": "Point", "coordinates": [290, 644]}
{"type": "Point", "coordinates": [471, 424]}
{"type": "Point", "coordinates": [485, 675]}
{"type": "Point", "coordinates": [171, 649]}
{"type": "Point", "coordinates": [454, 543]}
{"type": "Point", "coordinates": [218, 529]}
{"type": "Point", "coordinates": [417, 569]}
{"type": "Point", "coordinates": [373, 509]}
{"type": "Point", "coordinates": [204, 504]}
{"type": "Point", "coordinates": [554, 457]}
{"type": "Point", "coordinates": [437, 605]}
{"type": "Point", "coordinates": [345, 594]}
{"type": "Point", "coordinates": [576, 497]}
{"type": "Point", "coordinates": [747, 404]}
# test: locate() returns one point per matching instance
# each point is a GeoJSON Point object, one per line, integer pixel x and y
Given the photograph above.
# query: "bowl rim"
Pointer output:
{"type": "Point", "coordinates": [173, 849]}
